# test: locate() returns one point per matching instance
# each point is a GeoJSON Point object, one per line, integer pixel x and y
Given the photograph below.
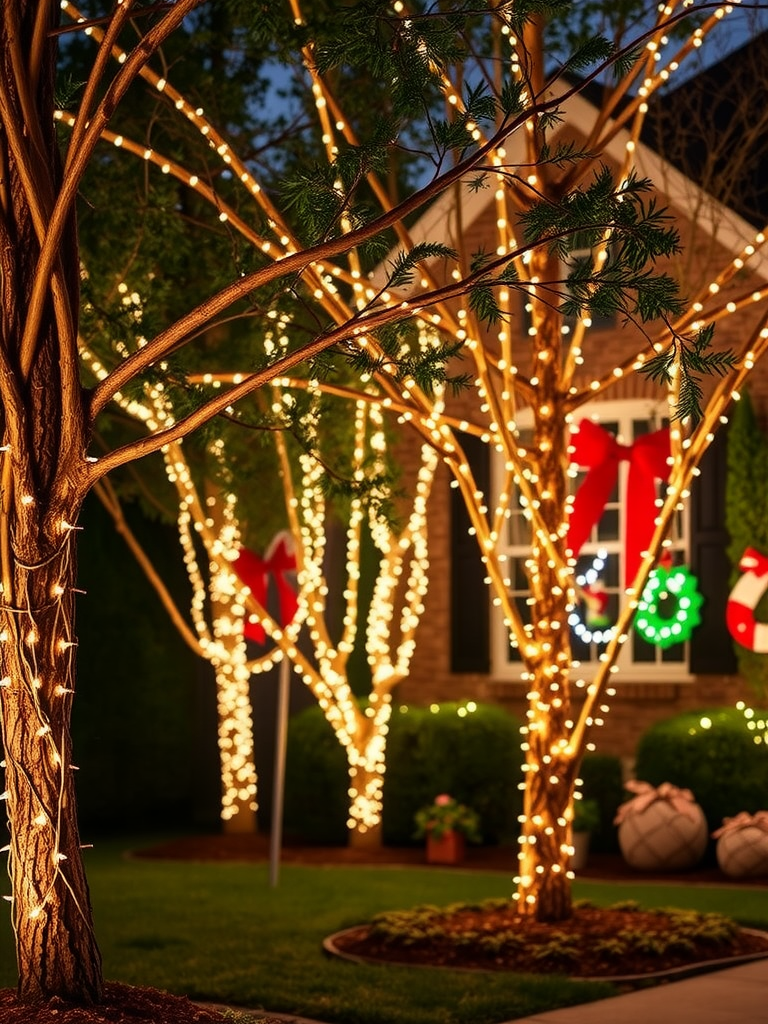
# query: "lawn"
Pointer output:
{"type": "Point", "coordinates": [219, 932]}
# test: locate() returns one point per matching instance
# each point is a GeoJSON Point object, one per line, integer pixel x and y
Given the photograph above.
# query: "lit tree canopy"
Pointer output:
{"type": "Point", "coordinates": [473, 80]}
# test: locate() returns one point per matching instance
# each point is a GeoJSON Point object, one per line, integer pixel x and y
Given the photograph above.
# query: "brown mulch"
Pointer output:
{"type": "Point", "coordinates": [122, 1004]}
{"type": "Point", "coordinates": [604, 867]}
{"type": "Point", "coordinates": [584, 946]}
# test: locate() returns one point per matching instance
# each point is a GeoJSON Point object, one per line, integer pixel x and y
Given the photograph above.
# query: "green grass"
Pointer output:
{"type": "Point", "coordinates": [219, 932]}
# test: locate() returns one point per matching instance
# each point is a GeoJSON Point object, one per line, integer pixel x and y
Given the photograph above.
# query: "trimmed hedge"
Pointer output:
{"type": "Point", "coordinates": [602, 780]}
{"type": "Point", "coordinates": [144, 717]}
{"type": "Point", "coordinates": [315, 807]}
{"type": "Point", "coordinates": [720, 763]}
{"type": "Point", "coordinates": [473, 756]}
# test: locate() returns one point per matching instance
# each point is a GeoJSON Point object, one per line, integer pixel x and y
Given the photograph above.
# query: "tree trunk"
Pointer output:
{"type": "Point", "coordinates": [233, 678]}
{"type": "Point", "coordinates": [235, 730]}
{"type": "Point", "coordinates": [366, 782]}
{"type": "Point", "coordinates": [544, 889]}
{"type": "Point", "coordinates": [45, 438]}
{"type": "Point", "coordinates": [56, 948]}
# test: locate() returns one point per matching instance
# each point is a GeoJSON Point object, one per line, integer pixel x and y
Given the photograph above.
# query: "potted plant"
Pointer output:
{"type": "Point", "coordinates": [447, 826]}
{"type": "Point", "coordinates": [586, 818]}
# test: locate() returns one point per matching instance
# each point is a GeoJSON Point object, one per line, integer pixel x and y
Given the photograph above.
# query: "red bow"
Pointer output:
{"type": "Point", "coordinates": [599, 452]}
{"type": "Point", "coordinates": [255, 572]}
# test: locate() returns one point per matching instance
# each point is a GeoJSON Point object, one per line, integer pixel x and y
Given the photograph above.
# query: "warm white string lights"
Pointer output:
{"type": "Point", "coordinates": [551, 388]}
{"type": "Point", "coordinates": [222, 643]}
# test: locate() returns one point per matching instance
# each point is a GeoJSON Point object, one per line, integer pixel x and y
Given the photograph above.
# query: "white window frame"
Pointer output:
{"type": "Point", "coordinates": [623, 411]}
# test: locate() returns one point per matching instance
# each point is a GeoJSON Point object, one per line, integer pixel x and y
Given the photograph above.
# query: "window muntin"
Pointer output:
{"type": "Point", "coordinates": [626, 420]}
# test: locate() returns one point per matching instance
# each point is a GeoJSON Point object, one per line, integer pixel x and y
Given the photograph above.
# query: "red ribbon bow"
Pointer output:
{"type": "Point", "coordinates": [600, 453]}
{"type": "Point", "coordinates": [255, 572]}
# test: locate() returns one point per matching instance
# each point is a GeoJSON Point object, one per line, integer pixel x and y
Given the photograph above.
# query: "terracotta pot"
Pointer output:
{"type": "Point", "coordinates": [448, 849]}
{"type": "Point", "coordinates": [743, 852]}
{"type": "Point", "coordinates": [662, 838]}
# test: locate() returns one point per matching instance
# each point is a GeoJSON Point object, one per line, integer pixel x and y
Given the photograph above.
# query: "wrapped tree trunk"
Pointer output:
{"type": "Point", "coordinates": [45, 431]}
{"type": "Point", "coordinates": [233, 676]}
{"type": "Point", "coordinates": [544, 889]}
{"type": "Point", "coordinates": [366, 760]}
{"type": "Point", "coordinates": [50, 903]}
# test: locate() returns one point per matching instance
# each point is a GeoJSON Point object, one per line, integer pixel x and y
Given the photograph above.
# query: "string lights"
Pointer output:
{"type": "Point", "coordinates": [665, 626]}
{"type": "Point", "coordinates": [542, 373]}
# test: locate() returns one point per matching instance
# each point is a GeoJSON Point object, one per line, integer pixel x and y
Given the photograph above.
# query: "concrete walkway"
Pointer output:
{"type": "Point", "coordinates": [736, 995]}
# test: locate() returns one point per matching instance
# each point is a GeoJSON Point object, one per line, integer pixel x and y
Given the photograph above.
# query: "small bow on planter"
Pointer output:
{"type": "Point", "coordinates": [743, 820]}
{"type": "Point", "coordinates": [682, 800]}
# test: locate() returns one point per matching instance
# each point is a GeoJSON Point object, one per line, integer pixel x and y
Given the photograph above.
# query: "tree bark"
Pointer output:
{"type": "Point", "coordinates": [56, 948]}
{"type": "Point", "coordinates": [45, 439]}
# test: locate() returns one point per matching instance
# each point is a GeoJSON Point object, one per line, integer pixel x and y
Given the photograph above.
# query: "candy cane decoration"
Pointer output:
{"type": "Point", "coordinates": [740, 610]}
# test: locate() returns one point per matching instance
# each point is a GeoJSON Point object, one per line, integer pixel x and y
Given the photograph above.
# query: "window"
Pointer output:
{"type": "Point", "coordinates": [600, 567]}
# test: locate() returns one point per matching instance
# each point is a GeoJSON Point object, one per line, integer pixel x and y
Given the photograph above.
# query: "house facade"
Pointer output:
{"type": "Point", "coordinates": [463, 650]}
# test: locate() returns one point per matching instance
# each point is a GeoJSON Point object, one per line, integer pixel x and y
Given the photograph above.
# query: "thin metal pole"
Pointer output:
{"type": "Point", "coordinates": [278, 785]}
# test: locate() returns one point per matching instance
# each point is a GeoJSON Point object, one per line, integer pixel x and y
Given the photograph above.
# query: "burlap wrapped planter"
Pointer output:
{"type": "Point", "coordinates": [661, 829]}
{"type": "Point", "coordinates": [742, 845]}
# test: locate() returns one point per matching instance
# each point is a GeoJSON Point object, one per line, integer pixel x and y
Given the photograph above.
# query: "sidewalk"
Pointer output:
{"type": "Point", "coordinates": [736, 995]}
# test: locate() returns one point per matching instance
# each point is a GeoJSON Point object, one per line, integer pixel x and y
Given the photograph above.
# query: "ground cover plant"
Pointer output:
{"type": "Point", "coordinates": [622, 941]}
{"type": "Point", "coordinates": [219, 933]}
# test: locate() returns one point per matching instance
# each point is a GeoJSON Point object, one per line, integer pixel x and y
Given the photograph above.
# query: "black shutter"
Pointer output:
{"type": "Point", "coordinates": [711, 646]}
{"type": "Point", "coordinates": [470, 599]}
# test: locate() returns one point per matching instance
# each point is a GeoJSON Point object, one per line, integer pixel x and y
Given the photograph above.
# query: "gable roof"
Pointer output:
{"type": "Point", "coordinates": [725, 226]}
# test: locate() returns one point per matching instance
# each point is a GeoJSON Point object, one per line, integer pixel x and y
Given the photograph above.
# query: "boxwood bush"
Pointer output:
{"type": "Point", "coordinates": [316, 782]}
{"type": "Point", "coordinates": [714, 754]}
{"type": "Point", "coordinates": [473, 755]}
{"type": "Point", "coordinates": [601, 776]}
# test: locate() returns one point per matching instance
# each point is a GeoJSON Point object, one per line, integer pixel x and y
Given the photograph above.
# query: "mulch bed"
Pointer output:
{"type": "Point", "coordinates": [122, 1004]}
{"type": "Point", "coordinates": [255, 848]}
{"type": "Point", "coordinates": [584, 946]}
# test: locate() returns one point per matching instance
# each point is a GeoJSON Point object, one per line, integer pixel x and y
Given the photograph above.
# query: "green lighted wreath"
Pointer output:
{"type": "Point", "coordinates": [677, 583]}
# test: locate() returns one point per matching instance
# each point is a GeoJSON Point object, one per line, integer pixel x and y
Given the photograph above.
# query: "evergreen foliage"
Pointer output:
{"type": "Point", "coordinates": [144, 726]}
{"type": "Point", "coordinates": [601, 776]}
{"type": "Point", "coordinates": [475, 758]}
{"type": "Point", "coordinates": [722, 763]}
{"type": "Point", "coordinates": [746, 517]}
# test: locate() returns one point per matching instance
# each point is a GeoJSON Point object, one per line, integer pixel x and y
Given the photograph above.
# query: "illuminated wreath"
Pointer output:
{"type": "Point", "coordinates": [598, 628]}
{"type": "Point", "coordinates": [676, 582]}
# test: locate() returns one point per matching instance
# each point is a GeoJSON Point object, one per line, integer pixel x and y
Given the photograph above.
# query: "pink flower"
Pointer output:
{"type": "Point", "coordinates": [443, 800]}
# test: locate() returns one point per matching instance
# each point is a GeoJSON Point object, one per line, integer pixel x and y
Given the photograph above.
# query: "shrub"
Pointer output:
{"type": "Point", "coordinates": [316, 781]}
{"type": "Point", "coordinates": [474, 756]}
{"type": "Point", "coordinates": [602, 782]}
{"type": "Point", "coordinates": [712, 753]}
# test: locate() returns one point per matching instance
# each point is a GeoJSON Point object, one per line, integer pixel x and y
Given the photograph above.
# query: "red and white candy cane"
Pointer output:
{"type": "Point", "coordinates": [740, 610]}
